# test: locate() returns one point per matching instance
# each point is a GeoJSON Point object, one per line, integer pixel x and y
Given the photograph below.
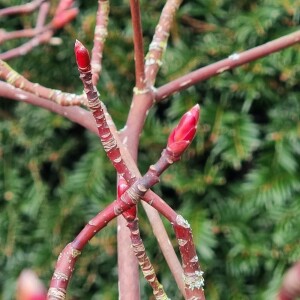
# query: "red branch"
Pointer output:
{"type": "Point", "coordinates": [18, 81]}
{"type": "Point", "coordinates": [98, 109]}
{"type": "Point", "coordinates": [75, 114]}
{"type": "Point", "coordinates": [42, 15]}
{"type": "Point", "coordinates": [42, 37]}
{"type": "Point", "coordinates": [233, 61]}
{"type": "Point", "coordinates": [64, 14]}
{"type": "Point", "coordinates": [99, 38]}
{"type": "Point", "coordinates": [29, 32]}
{"type": "Point", "coordinates": [138, 44]}
{"type": "Point", "coordinates": [21, 9]}
{"type": "Point", "coordinates": [67, 259]}
{"type": "Point", "coordinates": [160, 40]}
{"type": "Point", "coordinates": [138, 246]}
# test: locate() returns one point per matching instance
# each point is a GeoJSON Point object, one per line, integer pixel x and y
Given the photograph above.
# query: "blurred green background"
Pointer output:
{"type": "Point", "coordinates": [238, 184]}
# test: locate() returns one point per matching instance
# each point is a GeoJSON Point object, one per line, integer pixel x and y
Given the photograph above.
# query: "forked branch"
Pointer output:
{"type": "Point", "coordinates": [177, 144]}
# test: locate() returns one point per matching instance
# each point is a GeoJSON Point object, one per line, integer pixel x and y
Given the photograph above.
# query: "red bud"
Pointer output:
{"type": "Point", "coordinates": [39, 297]}
{"type": "Point", "coordinates": [29, 287]}
{"type": "Point", "coordinates": [63, 5]}
{"type": "Point", "coordinates": [129, 214]}
{"type": "Point", "coordinates": [64, 18]}
{"type": "Point", "coordinates": [82, 56]}
{"type": "Point", "coordinates": [184, 132]}
{"type": "Point", "coordinates": [122, 186]}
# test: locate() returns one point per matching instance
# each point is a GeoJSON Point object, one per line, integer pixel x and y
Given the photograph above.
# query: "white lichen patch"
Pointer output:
{"type": "Point", "coordinates": [185, 83]}
{"type": "Point", "coordinates": [234, 56]}
{"type": "Point", "coordinates": [141, 188]}
{"type": "Point", "coordinates": [138, 91]}
{"type": "Point", "coordinates": [101, 31]}
{"type": "Point", "coordinates": [118, 160]}
{"type": "Point", "coordinates": [221, 70]}
{"type": "Point", "coordinates": [194, 259]}
{"type": "Point", "coordinates": [132, 195]}
{"type": "Point", "coordinates": [109, 145]}
{"type": "Point", "coordinates": [182, 222]}
{"type": "Point", "coordinates": [92, 222]}
{"type": "Point", "coordinates": [162, 297]}
{"type": "Point", "coordinates": [182, 242]}
{"type": "Point", "coordinates": [150, 61]}
{"type": "Point", "coordinates": [75, 252]}
{"type": "Point", "coordinates": [56, 293]}
{"type": "Point", "coordinates": [117, 210]}
{"type": "Point", "coordinates": [60, 276]}
{"type": "Point", "coordinates": [125, 140]}
{"type": "Point", "coordinates": [21, 96]}
{"type": "Point", "coordinates": [194, 280]}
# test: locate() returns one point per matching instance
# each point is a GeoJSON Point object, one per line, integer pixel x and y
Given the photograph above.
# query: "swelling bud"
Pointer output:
{"type": "Point", "coordinates": [30, 287]}
{"type": "Point", "coordinates": [183, 134]}
{"type": "Point", "coordinates": [82, 56]}
{"type": "Point", "coordinates": [64, 18]}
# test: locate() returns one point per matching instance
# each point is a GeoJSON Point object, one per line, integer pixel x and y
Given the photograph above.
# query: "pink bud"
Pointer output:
{"type": "Point", "coordinates": [129, 214]}
{"type": "Point", "coordinates": [29, 287]}
{"type": "Point", "coordinates": [39, 297]}
{"type": "Point", "coordinates": [64, 18]}
{"type": "Point", "coordinates": [122, 186]}
{"type": "Point", "coordinates": [82, 56]}
{"type": "Point", "coordinates": [290, 289]}
{"type": "Point", "coordinates": [183, 134]}
{"type": "Point", "coordinates": [63, 5]}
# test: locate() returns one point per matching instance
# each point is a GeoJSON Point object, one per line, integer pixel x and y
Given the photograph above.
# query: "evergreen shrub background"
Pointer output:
{"type": "Point", "coordinates": [238, 184]}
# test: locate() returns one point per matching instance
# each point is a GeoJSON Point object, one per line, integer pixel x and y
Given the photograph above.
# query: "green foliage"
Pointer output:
{"type": "Point", "coordinates": [238, 184]}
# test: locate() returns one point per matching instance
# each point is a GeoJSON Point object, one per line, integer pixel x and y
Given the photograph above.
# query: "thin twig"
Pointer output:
{"type": "Point", "coordinates": [75, 114]}
{"type": "Point", "coordinates": [129, 264]}
{"type": "Point", "coordinates": [17, 80]}
{"type": "Point", "coordinates": [37, 40]}
{"type": "Point", "coordinates": [233, 61]}
{"type": "Point", "coordinates": [21, 9]}
{"type": "Point", "coordinates": [100, 114]}
{"type": "Point", "coordinates": [24, 33]}
{"type": "Point", "coordinates": [160, 40]}
{"type": "Point", "coordinates": [138, 246]}
{"type": "Point", "coordinates": [64, 14]}
{"type": "Point", "coordinates": [138, 45]}
{"type": "Point", "coordinates": [99, 39]}
{"type": "Point", "coordinates": [42, 15]}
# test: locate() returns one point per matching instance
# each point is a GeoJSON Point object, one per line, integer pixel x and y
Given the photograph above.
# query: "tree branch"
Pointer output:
{"type": "Point", "coordinates": [233, 61]}
{"type": "Point", "coordinates": [99, 38]}
{"type": "Point", "coordinates": [64, 14]}
{"type": "Point", "coordinates": [160, 40]}
{"type": "Point", "coordinates": [138, 44]}
{"type": "Point", "coordinates": [75, 114]}
{"type": "Point", "coordinates": [21, 9]}
{"type": "Point", "coordinates": [17, 80]}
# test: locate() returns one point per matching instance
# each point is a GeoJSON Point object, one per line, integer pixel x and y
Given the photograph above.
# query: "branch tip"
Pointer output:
{"type": "Point", "coordinates": [82, 55]}
{"type": "Point", "coordinates": [183, 134]}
